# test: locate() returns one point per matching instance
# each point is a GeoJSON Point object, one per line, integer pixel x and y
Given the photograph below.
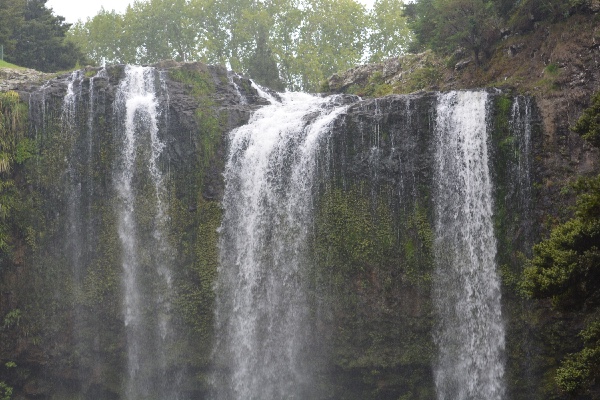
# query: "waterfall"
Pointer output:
{"type": "Point", "coordinates": [140, 185]}
{"type": "Point", "coordinates": [352, 239]}
{"type": "Point", "coordinates": [71, 102]}
{"type": "Point", "coordinates": [262, 312]}
{"type": "Point", "coordinates": [469, 332]}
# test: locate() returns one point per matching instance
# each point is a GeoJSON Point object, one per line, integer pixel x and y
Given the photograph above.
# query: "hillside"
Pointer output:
{"type": "Point", "coordinates": [556, 63]}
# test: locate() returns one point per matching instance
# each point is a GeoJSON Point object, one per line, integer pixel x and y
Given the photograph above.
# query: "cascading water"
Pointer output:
{"type": "Point", "coordinates": [262, 312]}
{"type": "Point", "coordinates": [142, 231]}
{"type": "Point", "coordinates": [75, 218]}
{"type": "Point", "coordinates": [418, 163]}
{"type": "Point", "coordinates": [470, 332]}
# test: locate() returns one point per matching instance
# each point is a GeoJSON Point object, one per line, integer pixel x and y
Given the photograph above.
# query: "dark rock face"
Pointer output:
{"type": "Point", "coordinates": [62, 286]}
{"type": "Point", "coordinates": [379, 165]}
{"type": "Point", "coordinates": [372, 241]}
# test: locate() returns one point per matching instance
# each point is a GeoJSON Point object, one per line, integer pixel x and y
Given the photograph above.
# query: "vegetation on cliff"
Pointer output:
{"type": "Point", "coordinates": [565, 268]}
{"type": "Point", "coordinates": [537, 47]}
{"type": "Point", "coordinates": [448, 26]}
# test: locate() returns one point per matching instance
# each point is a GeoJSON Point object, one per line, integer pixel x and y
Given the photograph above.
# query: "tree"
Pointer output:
{"type": "Point", "coordinates": [447, 25]}
{"type": "Point", "coordinates": [40, 40]}
{"type": "Point", "coordinates": [389, 35]}
{"type": "Point", "coordinates": [11, 17]}
{"type": "Point", "coordinates": [566, 268]}
{"type": "Point", "coordinates": [102, 38]}
{"type": "Point", "coordinates": [280, 43]}
{"type": "Point", "coordinates": [261, 64]}
{"type": "Point", "coordinates": [161, 29]}
{"type": "Point", "coordinates": [420, 16]}
{"type": "Point", "coordinates": [331, 39]}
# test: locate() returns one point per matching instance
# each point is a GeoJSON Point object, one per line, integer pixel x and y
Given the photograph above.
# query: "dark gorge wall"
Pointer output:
{"type": "Point", "coordinates": [370, 247]}
{"type": "Point", "coordinates": [375, 242]}
{"type": "Point", "coordinates": [63, 280]}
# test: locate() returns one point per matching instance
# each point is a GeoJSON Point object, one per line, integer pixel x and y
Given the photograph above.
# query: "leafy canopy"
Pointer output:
{"type": "Point", "coordinates": [34, 37]}
{"type": "Point", "coordinates": [447, 25]}
{"type": "Point", "coordinates": [294, 44]}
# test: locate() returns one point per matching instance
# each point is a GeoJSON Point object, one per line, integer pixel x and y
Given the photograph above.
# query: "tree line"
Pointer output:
{"type": "Point", "coordinates": [34, 37]}
{"type": "Point", "coordinates": [293, 44]}
{"type": "Point", "coordinates": [476, 25]}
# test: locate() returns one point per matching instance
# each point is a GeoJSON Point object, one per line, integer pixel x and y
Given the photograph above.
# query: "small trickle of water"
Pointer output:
{"type": "Point", "coordinates": [469, 333]}
{"type": "Point", "coordinates": [242, 98]}
{"type": "Point", "coordinates": [520, 124]}
{"type": "Point", "coordinates": [264, 93]}
{"type": "Point", "coordinates": [70, 101]}
{"type": "Point", "coordinates": [262, 311]}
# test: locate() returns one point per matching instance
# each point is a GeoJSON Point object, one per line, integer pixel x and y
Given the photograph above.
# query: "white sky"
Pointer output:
{"type": "Point", "coordinates": [73, 10]}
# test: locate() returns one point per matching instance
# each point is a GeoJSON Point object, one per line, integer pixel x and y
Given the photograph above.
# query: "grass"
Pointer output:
{"type": "Point", "coordinates": [4, 64]}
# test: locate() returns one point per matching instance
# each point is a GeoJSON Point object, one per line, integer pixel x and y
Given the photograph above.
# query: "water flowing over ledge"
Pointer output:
{"type": "Point", "coordinates": [262, 309]}
{"type": "Point", "coordinates": [219, 244]}
{"type": "Point", "coordinates": [470, 332]}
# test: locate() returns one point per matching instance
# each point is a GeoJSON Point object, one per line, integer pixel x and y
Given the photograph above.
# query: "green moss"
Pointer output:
{"type": "Point", "coordinates": [198, 81]}
{"type": "Point", "coordinates": [101, 288]}
{"type": "Point", "coordinates": [13, 126]}
{"type": "Point", "coordinates": [351, 236]}
{"type": "Point", "coordinates": [427, 76]}
{"type": "Point", "coordinates": [195, 302]}
{"type": "Point", "coordinates": [211, 124]}
{"type": "Point", "coordinates": [418, 248]}
{"type": "Point", "coordinates": [378, 286]}
{"type": "Point", "coordinates": [375, 87]}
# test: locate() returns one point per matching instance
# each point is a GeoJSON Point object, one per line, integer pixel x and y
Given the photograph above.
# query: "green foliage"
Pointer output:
{"type": "Point", "coordinates": [427, 76]}
{"type": "Point", "coordinates": [376, 87]}
{"type": "Point", "coordinates": [294, 44]}
{"type": "Point", "coordinates": [26, 149]}
{"type": "Point", "coordinates": [200, 81]}
{"type": "Point", "coordinates": [13, 318]}
{"type": "Point", "coordinates": [580, 369]}
{"type": "Point", "coordinates": [552, 69]}
{"type": "Point", "coordinates": [525, 13]}
{"type": "Point", "coordinates": [390, 34]}
{"type": "Point", "coordinates": [566, 268]}
{"type": "Point", "coordinates": [446, 25]}
{"type": "Point", "coordinates": [13, 125]}
{"type": "Point", "coordinates": [11, 18]}
{"type": "Point", "coordinates": [449, 26]}
{"type": "Point", "coordinates": [35, 37]}
{"type": "Point", "coordinates": [588, 124]}
{"type": "Point", "coordinates": [5, 391]}
{"type": "Point", "coordinates": [12, 128]}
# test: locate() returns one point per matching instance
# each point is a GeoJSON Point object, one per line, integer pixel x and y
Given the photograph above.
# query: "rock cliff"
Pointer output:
{"type": "Point", "coordinates": [371, 243]}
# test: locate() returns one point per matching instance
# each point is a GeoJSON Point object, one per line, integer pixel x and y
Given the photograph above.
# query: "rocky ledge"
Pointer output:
{"type": "Point", "coordinates": [13, 79]}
